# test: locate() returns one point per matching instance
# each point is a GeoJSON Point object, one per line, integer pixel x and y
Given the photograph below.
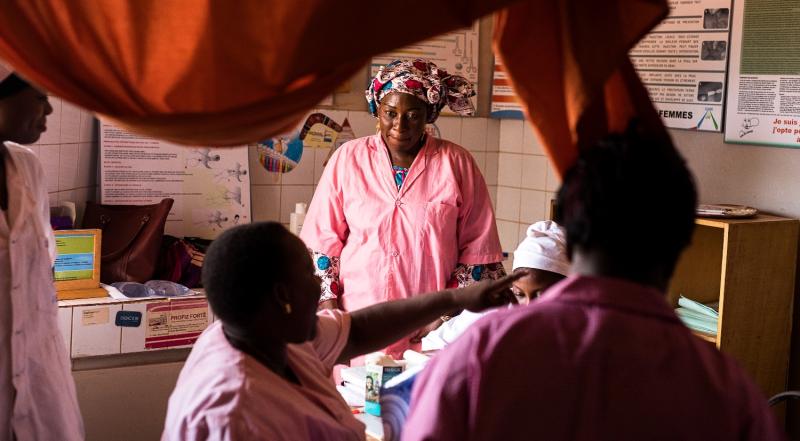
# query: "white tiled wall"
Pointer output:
{"type": "Point", "coordinates": [274, 195]}
{"type": "Point", "coordinates": [68, 152]}
{"type": "Point", "coordinates": [526, 182]}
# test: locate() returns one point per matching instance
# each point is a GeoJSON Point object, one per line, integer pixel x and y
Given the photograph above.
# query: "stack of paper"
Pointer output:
{"type": "Point", "coordinates": [354, 384]}
{"type": "Point", "coordinates": [697, 316]}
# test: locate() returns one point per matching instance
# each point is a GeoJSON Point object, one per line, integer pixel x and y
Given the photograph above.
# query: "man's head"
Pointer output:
{"type": "Point", "coordinates": [543, 256]}
{"type": "Point", "coordinates": [260, 283]}
{"type": "Point", "coordinates": [23, 109]}
{"type": "Point", "coordinates": [628, 206]}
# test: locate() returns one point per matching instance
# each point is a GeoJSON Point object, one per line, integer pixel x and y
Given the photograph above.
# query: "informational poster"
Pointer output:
{"type": "Point", "coordinates": [175, 323]}
{"type": "Point", "coordinates": [764, 79]}
{"type": "Point", "coordinates": [75, 258]}
{"type": "Point", "coordinates": [456, 52]}
{"type": "Point", "coordinates": [210, 186]}
{"type": "Point", "coordinates": [682, 63]}
{"type": "Point", "coordinates": [504, 101]}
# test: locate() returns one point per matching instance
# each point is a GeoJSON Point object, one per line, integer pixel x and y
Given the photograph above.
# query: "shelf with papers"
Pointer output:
{"type": "Point", "coordinates": [748, 266]}
{"type": "Point", "coordinates": [707, 337]}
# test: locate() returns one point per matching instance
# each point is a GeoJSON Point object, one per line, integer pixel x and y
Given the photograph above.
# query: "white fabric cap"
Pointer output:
{"type": "Point", "coordinates": [544, 248]}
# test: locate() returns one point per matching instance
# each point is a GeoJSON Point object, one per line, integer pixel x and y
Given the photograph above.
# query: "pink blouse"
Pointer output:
{"type": "Point", "coordinates": [395, 243]}
{"type": "Point", "coordinates": [224, 394]}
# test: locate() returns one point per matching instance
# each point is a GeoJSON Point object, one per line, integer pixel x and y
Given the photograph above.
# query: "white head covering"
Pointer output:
{"type": "Point", "coordinates": [544, 248]}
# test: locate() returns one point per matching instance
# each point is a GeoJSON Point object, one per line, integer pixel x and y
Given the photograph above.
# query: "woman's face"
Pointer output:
{"type": "Point", "coordinates": [23, 116]}
{"type": "Point", "coordinates": [532, 285]}
{"type": "Point", "coordinates": [302, 290]}
{"type": "Point", "coordinates": [402, 118]}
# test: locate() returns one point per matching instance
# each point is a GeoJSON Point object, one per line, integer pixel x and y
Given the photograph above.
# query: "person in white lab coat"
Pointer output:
{"type": "Point", "coordinates": [542, 255]}
{"type": "Point", "coordinates": [37, 393]}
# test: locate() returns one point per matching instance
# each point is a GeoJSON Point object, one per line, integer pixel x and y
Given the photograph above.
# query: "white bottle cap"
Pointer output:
{"type": "Point", "coordinates": [300, 208]}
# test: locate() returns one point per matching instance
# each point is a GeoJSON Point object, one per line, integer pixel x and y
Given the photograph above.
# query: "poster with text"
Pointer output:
{"type": "Point", "coordinates": [210, 186]}
{"type": "Point", "coordinates": [456, 52]}
{"type": "Point", "coordinates": [504, 100]}
{"type": "Point", "coordinates": [764, 81]}
{"type": "Point", "coordinates": [682, 63]}
{"type": "Point", "coordinates": [175, 323]}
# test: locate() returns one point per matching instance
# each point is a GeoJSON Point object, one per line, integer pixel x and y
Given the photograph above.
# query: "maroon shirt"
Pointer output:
{"type": "Point", "coordinates": [593, 359]}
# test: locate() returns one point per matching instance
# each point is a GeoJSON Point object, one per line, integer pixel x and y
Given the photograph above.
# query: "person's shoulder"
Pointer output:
{"type": "Point", "coordinates": [25, 157]}
{"type": "Point", "coordinates": [21, 152]}
{"type": "Point", "coordinates": [213, 363]}
{"type": "Point", "coordinates": [452, 149]}
{"type": "Point", "coordinates": [351, 151]}
{"type": "Point", "coordinates": [358, 144]}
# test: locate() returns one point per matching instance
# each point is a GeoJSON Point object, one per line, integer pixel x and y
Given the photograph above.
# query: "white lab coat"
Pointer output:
{"type": "Point", "coordinates": [37, 393]}
{"type": "Point", "coordinates": [451, 330]}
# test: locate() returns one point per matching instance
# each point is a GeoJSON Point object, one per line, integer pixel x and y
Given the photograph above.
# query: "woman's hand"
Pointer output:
{"type": "Point", "coordinates": [422, 332]}
{"type": "Point", "coordinates": [488, 293]}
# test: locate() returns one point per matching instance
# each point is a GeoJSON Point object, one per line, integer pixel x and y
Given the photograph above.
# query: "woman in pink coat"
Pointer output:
{"type": "Point", "coordinates": [401, 212]}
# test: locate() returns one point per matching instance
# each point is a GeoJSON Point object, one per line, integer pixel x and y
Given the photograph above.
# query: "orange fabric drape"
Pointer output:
{"type": "Point", "coordinates": [208, 71]}
{"type": "Point", "coordinates": [226, 73]}
{"type": "Point", "coordinates": [568, 61]}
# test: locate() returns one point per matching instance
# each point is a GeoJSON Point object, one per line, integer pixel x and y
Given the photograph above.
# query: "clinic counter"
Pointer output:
{"type": "Point", "coordinates": [104, 332]}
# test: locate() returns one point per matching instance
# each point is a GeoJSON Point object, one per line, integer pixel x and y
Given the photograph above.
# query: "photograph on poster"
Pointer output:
{"type": "Point", "coordinates": [716, 18]}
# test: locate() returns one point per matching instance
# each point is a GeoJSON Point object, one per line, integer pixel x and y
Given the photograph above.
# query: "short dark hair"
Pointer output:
{"type": "Point", "coordinates": [241, 267]}
{"type": "Point", "coordinates": [12, 85]}
{"type": "Point", "coordinates": [631, 197]}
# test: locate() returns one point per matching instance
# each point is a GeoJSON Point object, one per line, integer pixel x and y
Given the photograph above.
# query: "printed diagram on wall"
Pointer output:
{"type": "Point", "coordinates": [210, 186]}
{"type": "Point", "coordinates": [284, 152]}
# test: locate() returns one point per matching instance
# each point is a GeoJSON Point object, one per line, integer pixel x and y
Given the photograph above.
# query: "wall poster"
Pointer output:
{"type": "Point", "coordinates": [504, 100]}
{"type": "Point", "coordinates": [764, 79]}
{"type": "Point", "coordinates": [210, 186]}
{"type": "Point", "coordinates": [682, 63]}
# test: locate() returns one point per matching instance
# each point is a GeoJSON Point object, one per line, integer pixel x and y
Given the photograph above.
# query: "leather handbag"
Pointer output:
{"type": "Point", "coordinates": [131, 238]}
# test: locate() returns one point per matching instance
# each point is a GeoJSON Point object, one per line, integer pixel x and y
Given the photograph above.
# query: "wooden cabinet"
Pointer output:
{"type": "Point", "coordinates": [748, 266]}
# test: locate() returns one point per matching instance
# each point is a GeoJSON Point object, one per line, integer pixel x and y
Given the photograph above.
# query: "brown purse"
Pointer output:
{"type": "Point", "coordinates": [131, 238]}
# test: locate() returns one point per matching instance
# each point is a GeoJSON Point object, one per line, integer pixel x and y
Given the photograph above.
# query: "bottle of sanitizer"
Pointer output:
{"type": "Point", "coordinates": [296, 219]}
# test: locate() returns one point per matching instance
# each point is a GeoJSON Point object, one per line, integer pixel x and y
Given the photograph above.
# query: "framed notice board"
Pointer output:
{"type": "Point", "coordinates": [77, 268]}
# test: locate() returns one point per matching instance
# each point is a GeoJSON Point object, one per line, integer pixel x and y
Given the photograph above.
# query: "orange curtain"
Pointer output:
{"type": "Point", "coordinates": [226, 73]}
{"type": "Point", "coordinates": [569, 65]}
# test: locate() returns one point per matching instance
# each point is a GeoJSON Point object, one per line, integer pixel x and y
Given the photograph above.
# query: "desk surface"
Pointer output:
{"type": "Point", "coordinates": [374, 426]}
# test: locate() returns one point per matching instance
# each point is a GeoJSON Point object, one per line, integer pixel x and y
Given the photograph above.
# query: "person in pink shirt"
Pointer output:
{"type": "Point", "coordinates": [401, 212]}
{"type": "Point", "coordinates": [601, 355]}
{"type": "Point", "coordinates": [37, 393]}
{"type": "Point", "coordinates": [262, 371]}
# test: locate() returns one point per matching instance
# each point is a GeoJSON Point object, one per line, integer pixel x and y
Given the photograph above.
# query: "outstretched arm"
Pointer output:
{"type": "Point", "coordinates": [380, 325]}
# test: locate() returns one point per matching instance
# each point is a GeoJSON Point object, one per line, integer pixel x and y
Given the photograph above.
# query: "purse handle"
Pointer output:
{"type": "Point", "coordinates": [105, 219]}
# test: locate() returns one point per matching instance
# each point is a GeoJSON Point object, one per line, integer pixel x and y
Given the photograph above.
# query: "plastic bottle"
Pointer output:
{"type": "Point", "coordinates": [297, 218]}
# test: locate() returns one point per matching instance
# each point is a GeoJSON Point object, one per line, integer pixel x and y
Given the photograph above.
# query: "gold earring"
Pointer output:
{"type": "Point", "coordinates": [378, 127]}
{"type": "Point", "coordinates": [288, 308]}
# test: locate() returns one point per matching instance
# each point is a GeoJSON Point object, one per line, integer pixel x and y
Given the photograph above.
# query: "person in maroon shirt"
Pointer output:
{"type": "Point", "coordinates": [601, 355]}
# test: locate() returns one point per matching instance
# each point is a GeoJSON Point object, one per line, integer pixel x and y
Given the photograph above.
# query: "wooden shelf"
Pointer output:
{"type": "Point", "coordinates": [707, 337]}
{"type": "Point", "coordinates": [748, 266]}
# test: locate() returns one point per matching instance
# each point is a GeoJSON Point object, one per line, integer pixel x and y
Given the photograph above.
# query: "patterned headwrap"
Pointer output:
{"type": "Point", "coordinates": [426, 81]}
